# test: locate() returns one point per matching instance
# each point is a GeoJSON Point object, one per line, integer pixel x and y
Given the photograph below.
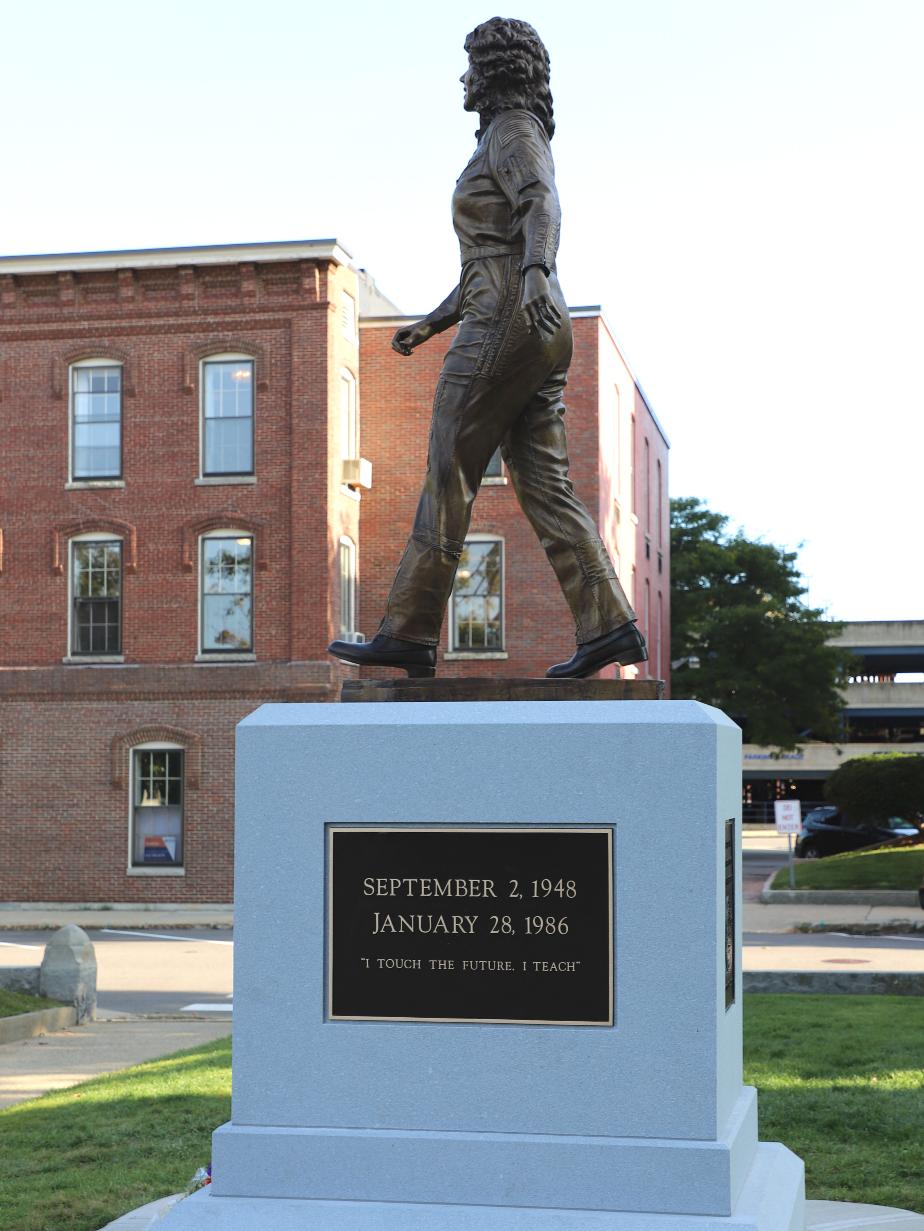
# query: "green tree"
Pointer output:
{"type": "Point", "coordinates": [741, 636]}
{"type": "Point", "coordinates": [885, 784]}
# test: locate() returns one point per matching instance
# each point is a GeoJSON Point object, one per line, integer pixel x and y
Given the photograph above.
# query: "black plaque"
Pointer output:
{"type": "Point", "coordinates": [729, 914]}
{"type": "Point", "coordinates": [463, 924]}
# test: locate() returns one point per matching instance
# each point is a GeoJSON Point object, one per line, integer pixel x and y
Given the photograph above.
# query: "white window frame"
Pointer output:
{"type": "Point", "coordinates": [501, 650]}
{"type": "Point", "coordinates": [93, 536]}
{"type": "Point", "coordinates": [134, 869]}
{"type": "Point", "coordinates": [116, 481]}
{"type": "Point", "coordinates": [214, 656]}
{"type": "Point", "coordinates": [347, 633]}
{"type": "Point", "coordinates": [243, 476]}
{"type": "Point", "coordinates": [348, 415]}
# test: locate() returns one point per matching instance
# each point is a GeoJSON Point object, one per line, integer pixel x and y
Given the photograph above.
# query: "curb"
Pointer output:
{"type": "Point", "coordinates": [835, 982]}
{"type": "Point", "coordinates": [145, 1216]}
{"type": "Point", "coordinates": [43, 1021]}
{"type": "Point", "coordinates": [840, 897]}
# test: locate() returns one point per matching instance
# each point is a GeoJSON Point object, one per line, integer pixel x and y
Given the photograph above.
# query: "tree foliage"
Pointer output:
{"type": "Point", "coordinates": [742, 638]}
{"type": "Point", "coordinates": [885, 784]}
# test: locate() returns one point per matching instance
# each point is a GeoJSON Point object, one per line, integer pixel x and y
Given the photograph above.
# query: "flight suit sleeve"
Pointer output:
{"type": "Point", "coordinates": [522, 165]}
{"type": "Point", "coordinates": [446, 314]}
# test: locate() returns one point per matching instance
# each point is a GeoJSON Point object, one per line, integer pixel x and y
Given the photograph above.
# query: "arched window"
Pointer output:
{"type": "Point", "coordinates": [95, 420]}
{"type": "Point", "coordinates": [227, 415]}
{"type": "Point", "coordinates": [349, 415]}
{"type": "Point", "coordinates": [95, 592]}
{"type": "Point", "coordinates": [156, 806]}
{"type": "Point", "coordinates": [347, 563]}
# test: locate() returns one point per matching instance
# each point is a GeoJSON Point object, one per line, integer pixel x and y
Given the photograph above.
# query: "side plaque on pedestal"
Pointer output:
{"type": "Point", "coordinates": [465, 924]}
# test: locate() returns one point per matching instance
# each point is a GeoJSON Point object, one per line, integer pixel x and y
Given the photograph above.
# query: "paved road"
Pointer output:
{"type": "Point", "coordinates": [761, 854]}
{"type": "Point", "coordinates": [163, 973]}
{"type": "Point", "coordinates": [145, 973]}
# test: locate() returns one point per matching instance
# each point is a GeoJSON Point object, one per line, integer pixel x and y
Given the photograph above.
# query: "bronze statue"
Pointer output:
{"type": "Point", "coordinates": [503, 377]}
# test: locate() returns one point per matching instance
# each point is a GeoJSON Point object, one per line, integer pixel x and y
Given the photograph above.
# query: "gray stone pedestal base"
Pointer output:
{"type": "Point", "coordinates": [771, 1200]}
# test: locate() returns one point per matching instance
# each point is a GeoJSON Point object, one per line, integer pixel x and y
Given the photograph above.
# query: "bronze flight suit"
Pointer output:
{"type": "Point", "coordinates": [502, 383]}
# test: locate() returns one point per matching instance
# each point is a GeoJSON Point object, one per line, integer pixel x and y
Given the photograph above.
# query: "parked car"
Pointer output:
{"type": "Point", "coordinates": [828, 831]}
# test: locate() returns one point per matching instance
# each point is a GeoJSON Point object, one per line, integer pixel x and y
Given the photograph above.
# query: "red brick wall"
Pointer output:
{"type": "Point", "coordinates": [63, 824]}
{"type": "Point", "coordinates": [64, 804]}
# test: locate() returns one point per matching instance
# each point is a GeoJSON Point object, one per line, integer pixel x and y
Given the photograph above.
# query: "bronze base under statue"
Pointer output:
{"type": "Point", "coordinates": [472, 688]}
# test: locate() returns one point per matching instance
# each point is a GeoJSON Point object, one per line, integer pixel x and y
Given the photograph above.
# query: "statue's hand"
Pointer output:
{"type": "Point", "coordinates": [539, 308]}
{"type": "Point", "coordinates": [410, 336]}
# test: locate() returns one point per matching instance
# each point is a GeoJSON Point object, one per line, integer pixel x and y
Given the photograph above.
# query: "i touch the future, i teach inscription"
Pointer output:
{"type": "Point", "coordinates": [470, 924]}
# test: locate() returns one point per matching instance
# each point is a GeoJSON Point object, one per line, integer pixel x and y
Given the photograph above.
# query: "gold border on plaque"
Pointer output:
{"type": "Point", "coordinates": [465, 1021]}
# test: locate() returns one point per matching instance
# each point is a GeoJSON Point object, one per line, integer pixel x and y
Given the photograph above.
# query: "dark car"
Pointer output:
{"type": "Point", "coordinates": [828, 831]}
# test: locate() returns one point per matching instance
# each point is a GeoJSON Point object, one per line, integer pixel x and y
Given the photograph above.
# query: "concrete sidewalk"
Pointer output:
{"type": "Point", "coordinates": [32, 1067]}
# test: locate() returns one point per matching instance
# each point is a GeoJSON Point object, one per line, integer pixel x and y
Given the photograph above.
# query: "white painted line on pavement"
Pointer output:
{"type": "Point", "coordinates": [11, 944]}
{"type": "Point", "coordinates": [207, 1008]}
{"type": "Point", "coordinates": [161, 936]}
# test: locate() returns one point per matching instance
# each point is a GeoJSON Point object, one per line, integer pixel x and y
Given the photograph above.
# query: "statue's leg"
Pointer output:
{"type": "Point", "coordinates": [535, 452]}
{"type": "Point", "coordinates": [466, 428]}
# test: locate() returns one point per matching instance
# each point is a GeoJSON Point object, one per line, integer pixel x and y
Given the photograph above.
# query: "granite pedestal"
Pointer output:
{"type": "Point", "coordinates": [638, 1125]}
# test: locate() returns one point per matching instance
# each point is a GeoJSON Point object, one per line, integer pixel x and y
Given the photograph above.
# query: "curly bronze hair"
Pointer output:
{"type": "Point", "coordinates": [511, 70]}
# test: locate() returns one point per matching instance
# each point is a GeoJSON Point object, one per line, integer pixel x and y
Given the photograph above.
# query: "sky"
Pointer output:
{"type": "Point", "coordinates": [742, 186]}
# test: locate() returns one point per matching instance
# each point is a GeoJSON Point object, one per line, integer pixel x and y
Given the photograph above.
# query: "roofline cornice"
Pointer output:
{"type": "Point", "coordinates": [161, 258]}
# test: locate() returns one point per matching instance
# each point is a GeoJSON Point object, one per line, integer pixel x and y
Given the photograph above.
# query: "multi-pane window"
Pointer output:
{"type": "Point", "coordinates": [96, 623]}
{"type": "Point", "coordinates": [477, 598]}
{"type": "Point", "coordinates": [349, 418]}
{"type": "Point", "coordinates": [347, 588]}
{"type": "Point", "coordinates": [227, 594]}
{"type": "Point", "coordinates": [157, 807]}
{"type": "Point", "coordinates": [96, 422]}
{"type": "Point", "coordinates": [227, 417]}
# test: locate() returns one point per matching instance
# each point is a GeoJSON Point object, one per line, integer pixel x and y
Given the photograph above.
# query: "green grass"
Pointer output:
{"type": "Point", "coordinates": [839, 1079]}
{"type": "Point", "coordinates": [881, 869]}
{"type": "Point", "coordinates": [12, 1003]}
{"type": "Point", "coordinates": [76, 1159]}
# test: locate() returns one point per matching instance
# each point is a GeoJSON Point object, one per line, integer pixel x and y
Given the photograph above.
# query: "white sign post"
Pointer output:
{"type": "Point", "coordinates": [787, 814]}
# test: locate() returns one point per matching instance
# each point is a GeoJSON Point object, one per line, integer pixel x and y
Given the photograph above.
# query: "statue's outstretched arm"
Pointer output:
{"type": "Point", "coordinates": [442, 317]}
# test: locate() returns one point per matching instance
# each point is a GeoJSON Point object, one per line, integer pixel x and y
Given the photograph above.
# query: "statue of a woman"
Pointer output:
{"type": "Point", "coordinates": [503, 377]}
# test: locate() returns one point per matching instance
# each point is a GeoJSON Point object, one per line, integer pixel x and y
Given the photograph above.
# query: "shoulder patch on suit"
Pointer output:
{"type": "Point", "coordinates": [516, 124]}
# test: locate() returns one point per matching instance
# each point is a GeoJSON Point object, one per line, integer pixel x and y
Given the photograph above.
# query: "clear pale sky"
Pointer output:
{"type": "Point", "coordinates": [741, 181]}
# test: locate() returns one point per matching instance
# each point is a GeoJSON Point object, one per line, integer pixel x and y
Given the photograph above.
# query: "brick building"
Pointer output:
{"type": "Point", "coordinates": [186, 520]}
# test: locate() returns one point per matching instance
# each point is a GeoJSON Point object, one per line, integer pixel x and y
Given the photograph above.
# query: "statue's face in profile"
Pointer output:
{"type": "Point", "coordinates": [468, 80]}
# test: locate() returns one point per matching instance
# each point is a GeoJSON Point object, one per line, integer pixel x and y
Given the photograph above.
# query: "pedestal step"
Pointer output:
{"type": "Point", "coordinates": [772, 1199]}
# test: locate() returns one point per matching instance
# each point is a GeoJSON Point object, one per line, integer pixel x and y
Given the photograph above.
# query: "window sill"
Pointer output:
{"type": "Point", "coordinates": [91, 660]}
{"type": "Point", "coordinates": [352, 492]}
{"type": "Point", "coordinates": [494, 480]}
{"type": "Point", "coordinates": [156, 872]}
{"type": "Point", "coordinates": [226, 658]}
{"type": "Point", "coordinates": [224, 480]}
{"type": "Point", "coordinates": [472, 655]}
{"type": "Point", "coordinates": [79, 485]}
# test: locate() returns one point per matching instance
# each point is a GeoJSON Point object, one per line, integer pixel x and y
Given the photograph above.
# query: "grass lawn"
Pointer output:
{"type": "Point", "coordinates": [840, 1082]}
{"type": "Point", "coordinates": [888, 869]}
{"type": "Point", "coordinates": [12, 1003]}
